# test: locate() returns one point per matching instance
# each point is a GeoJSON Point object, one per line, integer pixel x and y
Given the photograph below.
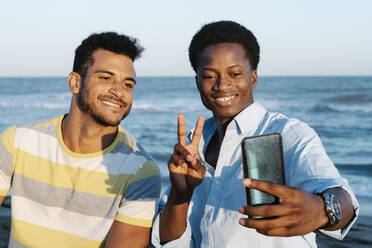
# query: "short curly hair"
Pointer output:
{"type": "Point", "coordinates": [110, 41]}
{"type": "Point", "coordinates": [222, 32]}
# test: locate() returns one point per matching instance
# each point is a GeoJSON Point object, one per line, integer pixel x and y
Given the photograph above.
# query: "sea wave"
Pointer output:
{"type": "Point", "coordinates": [324, 108]}
{"type": "Point", "coordinates": [360, 185]}
{"type": "Point", "coordinates": [352, 98]}
{"type": "Point", "coordinates": [34, 105]}
{"type": "Point", "coordinates": [356, 169]}
{"type": "Point", "coordinates": [332, 108]}
{"type": "Point", "coordinates": [171, 109]}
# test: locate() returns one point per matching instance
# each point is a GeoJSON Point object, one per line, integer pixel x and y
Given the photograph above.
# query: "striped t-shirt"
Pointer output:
{"type": "Point", "coordinates": [65, 199]}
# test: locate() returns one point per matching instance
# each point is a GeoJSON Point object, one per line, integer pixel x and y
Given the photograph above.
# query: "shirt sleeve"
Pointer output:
{"type": "Point", "coordinates": [183, 241]}
{"type": "Point", "coordinates": [7, 154]}
{"type": "Point", "coordinates": [139, 200]}
{"type": "Point", "coordinates": [309, 168]}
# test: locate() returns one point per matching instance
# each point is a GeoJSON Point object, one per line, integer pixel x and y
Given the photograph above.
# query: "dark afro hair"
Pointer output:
{"type": "Point", "coordinates": [109, 41]}
{"type": "Point", "coordinates": [223, 32]}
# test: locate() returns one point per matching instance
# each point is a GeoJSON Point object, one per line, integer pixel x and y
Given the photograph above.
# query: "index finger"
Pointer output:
{"type": "Point", "coordinates": [198, 131]}
{"type": "Point", "coordinates": [181, 129]}
{"type": "Point", "coordinates": [268, 187]}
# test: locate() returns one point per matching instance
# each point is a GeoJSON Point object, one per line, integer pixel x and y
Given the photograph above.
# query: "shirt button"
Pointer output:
{"type": "Point", "coordinates": [217, 181]}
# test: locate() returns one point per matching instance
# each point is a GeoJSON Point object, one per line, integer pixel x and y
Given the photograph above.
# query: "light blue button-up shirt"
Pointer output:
{"type": "Point", "coordinates": [213, 217]}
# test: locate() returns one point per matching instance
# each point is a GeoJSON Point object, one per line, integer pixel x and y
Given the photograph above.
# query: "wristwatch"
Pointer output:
{"type": "Point", "coordinates": [332, 208]}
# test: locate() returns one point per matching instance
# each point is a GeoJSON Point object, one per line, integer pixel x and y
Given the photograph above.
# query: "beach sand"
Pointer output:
{"type": "Point", "coordinates": [360, 235]}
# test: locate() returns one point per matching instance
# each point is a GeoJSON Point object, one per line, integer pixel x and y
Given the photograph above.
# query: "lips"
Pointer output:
{"type": "Point", "coordinates": [112, 101]}
{"type": "Point", "coordinates": [111, 104]}
{"type": "Point", "coordinates": [224, 100]}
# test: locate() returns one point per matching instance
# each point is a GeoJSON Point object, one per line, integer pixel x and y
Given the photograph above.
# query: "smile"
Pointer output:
{"type": "Point", "coordinates": [111, 104]}
{"type": "Point", "coordinates": [225, 99]}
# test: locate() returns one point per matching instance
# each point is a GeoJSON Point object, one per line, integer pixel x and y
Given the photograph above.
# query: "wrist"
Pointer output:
{"type": "Point", "coordinates": [176, 197]}
{"type": "Point", "coordinates": [323, 218]}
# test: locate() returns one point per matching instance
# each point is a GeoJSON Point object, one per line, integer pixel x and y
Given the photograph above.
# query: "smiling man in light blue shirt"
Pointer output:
{"type": "Point", "coordinates": [206, 205]}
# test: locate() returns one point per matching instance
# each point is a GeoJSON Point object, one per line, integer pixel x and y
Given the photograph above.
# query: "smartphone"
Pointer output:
{"type": "Point", "coordinates": [263, 160]}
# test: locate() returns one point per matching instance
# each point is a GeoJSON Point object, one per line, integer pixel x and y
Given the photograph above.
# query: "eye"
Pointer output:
{"type": "Point", "coordinates": [235, 74]}
{"type": "Point", "coordinates": [129, 85]}
{"type": "Point", "coordinates": [209, 76]}
{"type": "Point", "coordinates": [105, 78]}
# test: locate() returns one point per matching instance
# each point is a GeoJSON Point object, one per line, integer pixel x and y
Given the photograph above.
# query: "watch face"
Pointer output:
{"type": "Point", "coordinates": [336, 207]}
{"type": "Point", "coordinates": [333, 210]}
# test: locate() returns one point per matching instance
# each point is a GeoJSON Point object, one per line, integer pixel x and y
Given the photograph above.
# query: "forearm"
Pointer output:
{"type": "Point", "coordinates": [173, 219]}
{"type": "Point", "coordinates": [346, 205]}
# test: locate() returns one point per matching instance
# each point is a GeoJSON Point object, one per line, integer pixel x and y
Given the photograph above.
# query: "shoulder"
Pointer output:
{"type": "Point", "coordinates": [31, 129]}
{"type": "Point", "coordinates": [292, 130]}
{"type": "Point", "coordinates": [128, 139]}
{"type": "Point", "coordinates": [145, 161]}
{"type": "Point", "coordinates": [42, 123]}
{"type": "Point", "coordinates": [47, 126]}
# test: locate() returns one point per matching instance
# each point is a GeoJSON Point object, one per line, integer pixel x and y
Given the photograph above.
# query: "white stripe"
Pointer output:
{"type": "Point", "coordinates": [56, 218]}
{"type": "Point", "coordinates": [48, 148]}
{"type": "Point", "coordinates": [4, 181]}
{"type": "Point", "coordinates": [138, 209]}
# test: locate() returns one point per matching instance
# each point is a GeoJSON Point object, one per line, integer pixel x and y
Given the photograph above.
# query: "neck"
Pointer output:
{"type": "Point", "coordinates": [82, 134]}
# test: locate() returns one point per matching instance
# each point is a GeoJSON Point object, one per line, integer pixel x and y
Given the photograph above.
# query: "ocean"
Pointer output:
{"type": "Point", "coordinates": [338, 108]}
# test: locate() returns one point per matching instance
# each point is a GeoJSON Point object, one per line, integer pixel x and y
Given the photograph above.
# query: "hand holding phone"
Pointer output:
{"type": "Point", "coordinates": [263, 160]}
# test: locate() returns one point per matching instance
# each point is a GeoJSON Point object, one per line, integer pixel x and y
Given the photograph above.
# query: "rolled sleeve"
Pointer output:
{"type": "Point", "coordinates": [341, 233]}
{"type": "Point", "coordinates": [183, 241]}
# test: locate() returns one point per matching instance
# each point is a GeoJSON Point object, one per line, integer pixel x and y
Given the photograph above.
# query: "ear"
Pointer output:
{"type": "Point", "coordinates": [74, 82]}
{"type": "Point", "coordinates": [254, 78]}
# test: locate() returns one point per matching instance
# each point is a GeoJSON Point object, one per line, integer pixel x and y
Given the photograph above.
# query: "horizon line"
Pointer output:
{"type": "Point", "coordinates": [184, 76]}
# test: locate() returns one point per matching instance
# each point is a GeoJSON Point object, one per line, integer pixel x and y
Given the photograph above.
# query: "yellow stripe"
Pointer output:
{"type": "Point", "coordinates": [133, 221]}
{"type": "Point", "coordinates": [53, 121]}
{"type": "Point", "coordinates": [36, 236]}
{"type": "Point", "coordinates": [64, 176]}
{"type": "Point", "coordinates": [7, 138]}
{"type": "Point", "coordinates": [4, 192]}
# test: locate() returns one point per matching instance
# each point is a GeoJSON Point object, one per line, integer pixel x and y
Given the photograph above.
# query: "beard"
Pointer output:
{"type": "Point", "coordinates": [87, 106]}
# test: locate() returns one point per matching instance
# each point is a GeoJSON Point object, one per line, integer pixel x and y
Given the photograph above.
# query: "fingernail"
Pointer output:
{"type": "Point", "coordinates": [242, 222]}
{"type": "Point", "coordinates": [241, 210]}
{"type": "Point", "coordinates": [247, 181]}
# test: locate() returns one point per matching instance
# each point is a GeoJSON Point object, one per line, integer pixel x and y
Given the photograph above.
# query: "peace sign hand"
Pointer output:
{"type": "Point", "coordinates": [185, 169]}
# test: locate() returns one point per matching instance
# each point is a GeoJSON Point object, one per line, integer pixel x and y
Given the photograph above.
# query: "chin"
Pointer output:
{"type": "Point", "coordinates": [109, 120]}
{"type": "Point", "coordinates": [106, 122]}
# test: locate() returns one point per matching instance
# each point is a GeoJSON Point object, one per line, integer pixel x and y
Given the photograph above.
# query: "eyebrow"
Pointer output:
{"type": "Point", "coordinates": [113, 74]}
{"type": "Point", "coordinates": [212, 69]}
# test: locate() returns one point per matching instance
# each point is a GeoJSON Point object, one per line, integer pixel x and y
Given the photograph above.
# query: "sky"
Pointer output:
{"type": "Point", "coordinates": [333, 37]}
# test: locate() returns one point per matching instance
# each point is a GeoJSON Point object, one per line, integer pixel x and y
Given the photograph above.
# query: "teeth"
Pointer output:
{"type": "Point", "coordinates": [111, 104]}
{"type": "Point", "coordinates": [225, 99]}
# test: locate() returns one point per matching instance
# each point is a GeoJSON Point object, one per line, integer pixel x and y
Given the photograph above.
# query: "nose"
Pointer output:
{"type": "Point", "coordinates": [117, 89]}
{"type": "Point", "coordinates": [222, 83]}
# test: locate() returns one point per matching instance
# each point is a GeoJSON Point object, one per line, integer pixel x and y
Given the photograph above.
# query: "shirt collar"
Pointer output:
{"type": "Point", "coordinates": [248, 120]}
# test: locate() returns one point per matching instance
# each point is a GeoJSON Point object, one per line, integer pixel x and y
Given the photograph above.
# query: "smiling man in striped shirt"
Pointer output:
{"type": "Point", "coordinates": [80, 180]}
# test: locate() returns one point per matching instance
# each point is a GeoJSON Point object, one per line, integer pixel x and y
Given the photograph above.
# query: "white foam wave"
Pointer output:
{"type": "Point", "coordinates": [360, 185]}
{"type": "Point", "coordinates": [169, 109]}
{"type": "Point", "coordinates": [33, 105]}
{"type": "Point", "coordinates": [149, 107]}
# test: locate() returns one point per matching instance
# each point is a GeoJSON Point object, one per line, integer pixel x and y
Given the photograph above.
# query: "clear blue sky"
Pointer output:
{"type": "Point", "coordinates": [318, 37]}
